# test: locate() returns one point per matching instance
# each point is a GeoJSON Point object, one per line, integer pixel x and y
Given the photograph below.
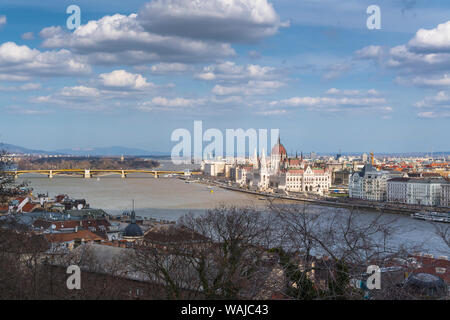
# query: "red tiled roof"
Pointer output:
{"type": "Point", "coordinates": [435, 266]}
{"type": "Point", "coordinates": [29, 207]}
{"type": "Point", "coordinates": [172, 234]}
{"type": "Point", "coordinates": [70, 224]}
{"type": "Point", "coordinates": [294, 171]}
{"type": "Point", "coordinates": [84, 235]}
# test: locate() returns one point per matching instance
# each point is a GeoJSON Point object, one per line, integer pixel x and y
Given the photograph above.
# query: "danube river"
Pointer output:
{"type": "Point", "coordinates": [170, 198]}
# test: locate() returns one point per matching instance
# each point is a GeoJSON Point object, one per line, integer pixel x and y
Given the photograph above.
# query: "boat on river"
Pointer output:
{"type": "Point", "coordinates": [432, 216]}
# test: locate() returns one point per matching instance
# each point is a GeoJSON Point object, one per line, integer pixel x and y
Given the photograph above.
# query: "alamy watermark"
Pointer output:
{"type": "Point", "coordinates": [74, 280]}
{"type": "Point", "coordinates": [234, 143]}
{"type": "Point", "coordinates": [374, 20]}
{"type": "Point", "coordinates": [74, 20]}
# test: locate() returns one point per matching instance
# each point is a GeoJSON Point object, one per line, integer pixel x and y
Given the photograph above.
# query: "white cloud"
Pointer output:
{"type": "Point", "coordinates": [336, 70]}
{"type": "Point", "coordinates": [121, 39]}
{"type": "Point", "coordinates": [216, 20]}
{"type": "Point", "coordinates": [2, 20]}
{"type": "Point", "coordinates": [334, 91]}
{"type": "Point", "coordinates": [230, 71]}
{"type": "Point", "coordinates": [22, 61]}
{"type": "Point", "coordinates": [370, 52]}
{"type": "Point", "coordinates": [169, 68]}
{"type": "Point", "coordinates": [428, 53]}
{"type": "Point", "coordinates": [340, 101]}
{"type": "Point", "coordinates": [275, 112]}
{"type": "Point", "coordinates": [24, 87]}
{"type": "Point", "coordinates": [250, 88]}
{"type": "Point", "coordinates": [437, 106]}
{"type": "Point", "coordinates": [80, 91]}
{"type": "Point", "coordinates": [440, 81]}
{"type": "Point", "coordinates": [12, 77]}
{"type": "Point", "coordinates": [433, 40]}
{"type": "Point", "coordinates": [162, 103]}
{"type": "Point", "coordinates": [28, 36]}
{"type": "Point", "coordinates": [122, 79]}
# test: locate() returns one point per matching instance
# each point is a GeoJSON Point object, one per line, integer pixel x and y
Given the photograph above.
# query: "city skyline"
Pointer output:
{"type": "Point", "coordinates": [133, 73]}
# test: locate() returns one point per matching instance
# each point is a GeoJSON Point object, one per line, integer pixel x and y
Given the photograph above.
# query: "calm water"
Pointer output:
{"type": "Point", "coordinates": [170, 198]}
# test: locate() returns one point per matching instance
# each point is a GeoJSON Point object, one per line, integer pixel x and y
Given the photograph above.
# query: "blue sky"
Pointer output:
{"type": "Point", "coordinates": [136, 70]}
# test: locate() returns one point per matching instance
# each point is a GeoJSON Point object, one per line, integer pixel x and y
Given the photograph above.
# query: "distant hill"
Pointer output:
{"type": "Point", "coordinates": [108, 151]}
{"type": "Point", "coordinates": [21, 150]}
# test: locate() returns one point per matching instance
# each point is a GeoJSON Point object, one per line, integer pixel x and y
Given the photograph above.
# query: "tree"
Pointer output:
{"type": "Point", "coordinates": [227, 264]}
{"type": "Point", "coordinates": [8, 188]}
{"type": "Point", "coordinates": [333, 248]}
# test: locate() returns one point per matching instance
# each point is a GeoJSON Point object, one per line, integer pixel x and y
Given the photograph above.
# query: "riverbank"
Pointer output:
{"type": "Point", "coordinates": [336, 202]}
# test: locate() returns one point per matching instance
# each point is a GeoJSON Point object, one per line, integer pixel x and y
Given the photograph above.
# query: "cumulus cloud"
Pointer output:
{"type": "Point", "coordinates": [121, 39]}
{"type": "Point", "coordinates": [427, 53]}
{"type": "Point", "coordinates": [169, 68]}
{"type": "Point", "coordinates": [370, 52]}
{"type": "Point", "coordinates": [22, 61]}
{"type": "Point", "coordinates": [422, 62]}
{"type": "Point", "coordinates": [251, 88]}
{"type": "Point", "coordinates": [216, 20]}
{"type": "Point", "coordinates": [437, 106]}
{"type": "Point", "coordinates": [121, 79]}
{"type": "Point", "coordinates": [80, 92]}
{"type": "Point", "coordinates": [232, 79]}
{"type": "Point", "coordinates": [181, 31]}
{"type": "Point", "coordinates": [230, 71]}
{"type": "Point", "coordinates": [28, 36]}
{"type": "Point", "coordinates": [24, 87]}
{"type": "Point", "coordinates": [162, 103]}
{"type": "Point", "coordinates": [275, 112]}
{"type": "Point", "coordinates": [440, 81]}
{"type": "Point", "coordinates": [432, 40]}
{"type": "Point", "coordinates": [334, 91]}
{"type": "Point", "coordinates": [339, 101]}
{"type": "Point", "coordinates": [206, 105]}
{"type": "Point", "coordinates": [336, 70]}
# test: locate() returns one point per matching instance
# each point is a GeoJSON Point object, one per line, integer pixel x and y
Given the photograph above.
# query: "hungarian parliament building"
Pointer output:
{"type": "Point", "coordinates": [276, 171]}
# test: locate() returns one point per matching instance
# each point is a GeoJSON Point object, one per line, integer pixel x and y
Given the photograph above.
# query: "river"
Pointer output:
{"type": "Point", "coordinates": [170, 198]}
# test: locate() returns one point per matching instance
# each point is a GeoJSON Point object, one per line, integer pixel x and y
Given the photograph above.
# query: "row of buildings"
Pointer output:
{"type": "Point", "coordinates": [393, 186]}
{"type": "Point", "coordinates": [277, 171]}
{"type": "Point", "coordinates": [417, 181]}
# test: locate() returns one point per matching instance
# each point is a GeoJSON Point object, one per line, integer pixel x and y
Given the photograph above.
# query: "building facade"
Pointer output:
{"type": "Point", "coordinates": [445, 194]}
{"type": "Point", "coordinates": [397, 190]}
{"type": "Point", "coordinates": [369, 184]}
{"type": "Point", "coordinates": [426, 192]}
{"type": "Point", "coordinates": [420, 191]}
{"type": "Point", "coordinates": [309, 180]}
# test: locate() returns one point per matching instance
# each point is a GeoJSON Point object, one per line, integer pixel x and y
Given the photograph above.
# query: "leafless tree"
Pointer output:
{"type": "Point", "coordinates": [322, 252]}
{"type": "Point", "coordinates": [443, 232]}
{"type": "Point", "coordinates": [227, 264]}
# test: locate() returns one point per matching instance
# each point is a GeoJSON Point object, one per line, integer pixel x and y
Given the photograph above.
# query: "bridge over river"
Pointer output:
{"type": "Point", "coordinates": [89, 173]}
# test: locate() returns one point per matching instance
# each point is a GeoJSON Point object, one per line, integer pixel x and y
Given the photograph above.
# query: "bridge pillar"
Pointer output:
{"type": "Point", "coordinates": [50, 175]}
{"type": "Point", "coordinates": [123, 174]}
{"type": "Point", "coordinates": [87, 174]}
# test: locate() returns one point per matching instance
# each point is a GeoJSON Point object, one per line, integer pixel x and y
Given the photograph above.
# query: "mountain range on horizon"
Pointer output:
{"type": "Point", "coordinates": [94, 151]}
{"type": "Point", "coordinates": [126, 151]}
